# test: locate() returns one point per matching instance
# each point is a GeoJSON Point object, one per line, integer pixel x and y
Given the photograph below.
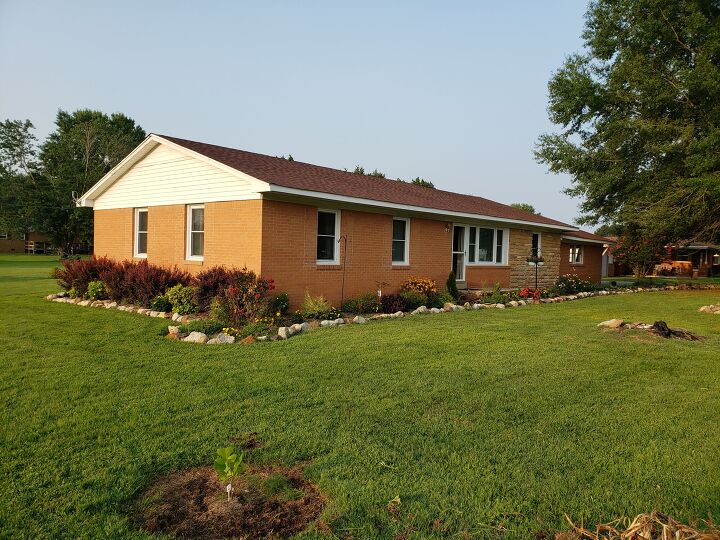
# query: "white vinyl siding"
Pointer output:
{"type": "Point", "coordinates": [166, 176]}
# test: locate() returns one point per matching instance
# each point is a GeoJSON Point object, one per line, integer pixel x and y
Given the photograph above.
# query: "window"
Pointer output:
{"type": "Point", "coordinates": [400, 241]}
{"type": "Point", "coordinates": [328, 227]}
{"type": "Point", "coordinates": [486, 246]}
{"type": "Point", "coordinates": [141, 232]}
{"type": "Point", "coordinates": [472, 244]}
{"type": "Point", "coordinates": [536, 250]}
{"type": "Point", "coordinates": [3, 236]}
{"type": "Point", "coordinates": [486, 242]}
{"type": "Point", "coordinates": [196, 232]}
{"type": "Point", "coordinates": [576, 254]}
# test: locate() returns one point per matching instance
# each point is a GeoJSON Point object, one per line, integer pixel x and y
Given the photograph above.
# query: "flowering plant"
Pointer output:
{"type": "Point", "coordinates": [425, 286]}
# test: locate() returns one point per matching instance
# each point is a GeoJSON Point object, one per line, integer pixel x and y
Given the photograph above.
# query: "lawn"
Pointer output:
{"type": "Point", "coordinates": [492, 423]}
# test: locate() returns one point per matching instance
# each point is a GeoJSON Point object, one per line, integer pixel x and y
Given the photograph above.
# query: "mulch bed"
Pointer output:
{"type": "Point", "coordinates": [193, 504]}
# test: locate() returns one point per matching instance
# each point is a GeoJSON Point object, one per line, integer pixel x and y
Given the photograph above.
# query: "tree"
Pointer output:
{"type": "Point", "coordinates": [422, 182]}
{"type": "Point", "coordinates": [640, 115]}
{"type": "Point", "coordinates": [638, 252]}
{"type": "Point", "coordinates": [38, 183]}
{"type": "Point", "coordinates": [525, 207]}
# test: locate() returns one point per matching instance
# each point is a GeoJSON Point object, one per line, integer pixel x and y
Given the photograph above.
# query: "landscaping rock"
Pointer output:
{"type": "Point", "coordinates": [339, 321]}
{"type": "Point", "coordinates": [298, 328]}
{"type": "Point", "coordinates": [359, 319]}
{"type": "Point", "coordinates": [304, 327]}
{"type": "Point", "coordinates": [712, 308]}
{"type": "Point", "coordinates": [284, 332]}
{"type": "Point", "coordinates": [261, 338]}
{"type": "Point", "coordinates": [84, 303]}
{"type": "Point", "coordinates": [436, 310]}
{"type": "Point", "coordinates": [467, 305]}
{"type": "Point", "coordinates": [513, 303]}
{"type": "Point", "coordinates": [173, 329]}
{"type": "Point", "coordinates": [612, 323]}
{"type": "Point", "coordinates": [420, 310]}
{"type": "Point", "coordinates": [397, 314]}
{"type": "Point", "coordinates": [500, 306]}
{"type": "Point", "coordinates": [222, 339]}
{"type": "Point", "coordinates": [196, 337]}
{"type": "Point", "coordinates": [249, 340]}
{"type": "Point", "coordinates": [451, 307]}
{"type": "Point", "coordinates": [327, 323]}
{"type": "Point", "coordinates": [111, 305]}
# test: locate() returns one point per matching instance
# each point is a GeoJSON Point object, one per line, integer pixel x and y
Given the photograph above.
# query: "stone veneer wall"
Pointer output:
{"type": "Point", "coordinates": [522, 274]}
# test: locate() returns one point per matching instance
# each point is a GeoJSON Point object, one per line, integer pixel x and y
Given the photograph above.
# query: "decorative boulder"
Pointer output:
{"type": "Point", "coordinates": [436, 310]}
{"type": "Point", "coordinates": [398, 314]}
{"type": "Point", "coordinates": [284, 332]}
{"type": "Point", "coordinates": [222, 339]}
{"type": "Point", "coordinates": [339, 320]}
{"type": "Point", "coordinates": [419, 310]}
{"type": "Point", "coordinates": [612, 323]}
{"type": "Point", "coordinates": [327, 323]}
{"type": "Point", "coordinates": [173, 329]}
{"type": "Point", "coordinates": [196, 337]}
{"type": "Point", "coordinates": [359, 319]}
{"type": "Point", "coordinates": [500, 306]}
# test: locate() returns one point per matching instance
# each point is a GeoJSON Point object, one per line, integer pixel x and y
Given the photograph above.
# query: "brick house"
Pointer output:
{"type": "Point", "coordinates": [178, 202]}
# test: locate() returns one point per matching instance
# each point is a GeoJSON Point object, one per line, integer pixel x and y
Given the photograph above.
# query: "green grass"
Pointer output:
{"type": "Point", "coordinates": [494, 423]}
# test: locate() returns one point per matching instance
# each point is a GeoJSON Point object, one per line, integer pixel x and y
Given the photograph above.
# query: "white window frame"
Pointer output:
{"type": "Point", "coordinates": [505, 246]}
{"type": "Point", "coordinates": [336, 252]}
{"type": "Point", "coordinates": [136, 228]}
{"type": "Point", "coordinates": [539, 248]}
{"type": "Point", "coordinates": [188, 233]}
{"type": "Point", "coordinates": [3, 236]}
{"type": "Point", "coordinates": [580, 249]}
{"type": "Point", "coordinates": [406, 254]}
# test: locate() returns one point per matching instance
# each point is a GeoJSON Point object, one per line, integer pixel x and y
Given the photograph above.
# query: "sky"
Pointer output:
{"type": "Point", "coordinates": [454, 92]}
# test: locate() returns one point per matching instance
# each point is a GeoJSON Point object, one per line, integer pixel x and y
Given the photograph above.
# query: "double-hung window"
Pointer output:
{"type": "Point", "coordinates": [400, 241]}
{"type": "Point", "coordinates": [141, 232]}
{"type": "Point", "coordinates": [486, 246]}
{"type": "Point", "coordinates": [576, 254]}
{"type": "Point", "coordinates": [3, 236]}
{"type": "Point", "coordinates": [196, 232]}
{"type": "Point", "coordinates": [328, 229]}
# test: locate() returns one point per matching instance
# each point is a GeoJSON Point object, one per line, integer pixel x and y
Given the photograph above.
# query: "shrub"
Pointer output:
{"type": "Point", "coordinates": [422, 285]}
{"type": "Point", "coordinates": [212, 283]}
{"type": "Point", "coordinates": [140, 282]}
{"type": "Point", "coordinates": [529, 293]}
{"type": "Point", "coordinates": [73, 293]}
{"type": "Point", "coordinates": [247, 300]}
{"type": "Point", "coordinates": [315, 307]}
{"type": "Point", "coordinates": [392, 302]}
{"type": "Point", "coordinates": [365, 303]}
{"type": "Point", "coordinates": [281, 304]}
{"type": "Point", "coordinates": [571, 284]}
{"type": "Point", "coordinates": [78, 273]}
{"type": "Point", "coordinates": [439, 299]}
{"type": "Point", "coordinates": [206, 326]}
{"type": "Point", "coordinates": [219, 311]}
{"type": "Point", "coordinates": [96, 290]}
{"type": "Point", "coordinates": [497, 296]}
{"type": "Point", "coordinates": [161, 303]}
{"type": "Point", "coordinates": [414, 299]}
{"type": "Point", "coordinates": [451, 285]}
{"type": "Point", "coordinates": [181, 299]}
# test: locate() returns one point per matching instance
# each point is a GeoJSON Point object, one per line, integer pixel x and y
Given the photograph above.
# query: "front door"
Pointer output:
{"type": "Point", "coordinates": [458, 252]}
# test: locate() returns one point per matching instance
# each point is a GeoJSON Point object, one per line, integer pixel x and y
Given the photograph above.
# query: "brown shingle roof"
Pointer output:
{"type": "Point", "coordinates": [590, 236]}
{"type": "Point", "coordinates": [304, 176]}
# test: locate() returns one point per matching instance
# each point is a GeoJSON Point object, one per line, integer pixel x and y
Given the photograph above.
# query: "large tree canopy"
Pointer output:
{"type": "Point", "coordinates": [38, 182]}
{"type": "Point", "coordinates": [640, 115]}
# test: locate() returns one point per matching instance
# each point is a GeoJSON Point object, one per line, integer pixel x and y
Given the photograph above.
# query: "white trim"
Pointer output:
{"type": "Point", "coordinates": [505, 246]}
{"type": "Point", "coordinates": [136, 230]}
{"type": "Point", "coordinates": [189, 231]}
{"type": "Point", "coordinates": [406, 255]}
{"type": "Point", "coordinates": [539, 248]}
{"type": "Point", "coordinates": [464, 251]}
{"type": "Point", "coordinates": [336, 238]}
{"type": "Point", "coordinates": [582, 240]}
{"type": "Point", "coordinates": [581, 251]}
{"type": "Point", "coordinates": [273, 188]}
{"type": "Point", "coordinates": [3, 236]}
{"type": "Point", "coordinates": [144, 148]}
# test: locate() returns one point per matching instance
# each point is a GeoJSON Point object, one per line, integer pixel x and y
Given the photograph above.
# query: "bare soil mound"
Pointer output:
{"type": "Point", "coordinates": [267, 502]}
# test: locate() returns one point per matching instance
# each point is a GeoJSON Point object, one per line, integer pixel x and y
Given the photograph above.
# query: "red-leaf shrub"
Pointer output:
{"type": "Point", "coordinates": [78, 273]}
{"type": "Point", "coordinates": [143, 281]}
{"type": "Point", "coordinates": [246, 298]}
{"type": "Point", "coordinates": [392, 303]}
{"type": "Point", "coordinates": [213, 282]}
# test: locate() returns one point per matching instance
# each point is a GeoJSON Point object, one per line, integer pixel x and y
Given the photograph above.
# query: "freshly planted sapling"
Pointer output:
{"type": "Point", "coordinates": [228, 465]}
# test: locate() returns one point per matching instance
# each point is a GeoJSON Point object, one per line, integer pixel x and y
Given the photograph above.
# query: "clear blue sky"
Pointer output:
{"type": "Point", "coordinates": [455, 92]}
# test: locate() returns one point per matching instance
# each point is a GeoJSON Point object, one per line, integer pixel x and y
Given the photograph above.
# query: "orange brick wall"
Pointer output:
{"type": "Point", "coordinates": [486, 277]}
{"type": "Point", "coordinates": [590, 269]}
{"type": "Point", "coordinates": [289, 252]}
{"type": "Point", "coordinates": [113, 233]}
{"type": "Point", "coordinates": [232, 235]}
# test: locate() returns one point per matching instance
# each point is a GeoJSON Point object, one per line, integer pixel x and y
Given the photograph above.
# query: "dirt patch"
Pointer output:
{"type": "Point", "coordinates": [247, 441]}
{"type": "Point", "coordinates": [267, 502]}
